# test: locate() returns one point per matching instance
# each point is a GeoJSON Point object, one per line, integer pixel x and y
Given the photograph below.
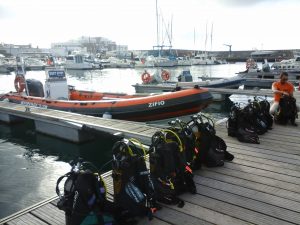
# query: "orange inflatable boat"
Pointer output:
{"type": "Point", "coordinates": [118, 106]}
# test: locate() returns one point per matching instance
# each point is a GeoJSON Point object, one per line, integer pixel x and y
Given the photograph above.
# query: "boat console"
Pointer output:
{"type": "Point", "coordinates": [56, 86]}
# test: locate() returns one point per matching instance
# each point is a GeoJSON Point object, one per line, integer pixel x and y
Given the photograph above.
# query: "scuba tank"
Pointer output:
{"type": "Point", "coordinates": [84, 196]}
{"type": "Point", "coordinates": [188, 138]}
{"type": "Point", "coordinates": [239, 125]}
{"type": "Point", "coordinates": [287, 110]}
{"type": "Point", "coordinates": [170, 171]}
{"type": "Point", "coordinates": [212, 149]}
{"type": "Point", "coordinates": [133, 186]}
{"type": "Point", "coordinates": [265, 112]}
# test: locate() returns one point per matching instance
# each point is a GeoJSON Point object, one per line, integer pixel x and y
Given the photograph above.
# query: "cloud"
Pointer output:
{"type": "Point", "coordinates": [5, 12]}
{"type": "Point", "coordinates": [242, 3]}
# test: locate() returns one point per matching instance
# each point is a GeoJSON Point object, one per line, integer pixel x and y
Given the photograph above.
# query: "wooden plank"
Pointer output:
{"type": "Point", "coordinates": [250, 204]}
{"type": "Point", "coordinates": [261, 155]}
{"type": "Point", "coordinates": [290, 148]}
{"type": "Point", "coordinates": [178, 218]}
{"type": "Point", "coordinates": [249, 193]}
{"type": "Point", "coordinates": [268, 162]}
{"type": "Point", "coordinates": [262, 150]}
{"type": "Point", "coordinates": [50, 214]}
{"type": "Point", "coordinates": [271, 195]}
{"type": "Point", "coordinates": [275, 148]}
{"type": "Point", "coordinates": [205, 214]}
{"type": "Point", "coordinates": [260, 172]}
{"type": "Point", "coordinates": [132, 127]}
{"type": "Point", "coordinates": [271, 168]}
{"type": "Point", "coordinates": [25, 211]}
{"type": "Point", "coordinates": [27, 219]}
{"type": "Point", "coordinates": [154, 221]}
{"type": "Point", "coordinates": [270, 181]}
{"type": "Point", "coordinates": [232, 210]}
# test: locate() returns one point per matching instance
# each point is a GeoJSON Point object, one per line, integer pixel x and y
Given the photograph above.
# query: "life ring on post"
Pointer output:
{"type": "Point", "coordinates": [146, 77]}
{"type": "Point", "coordinates": [19, 84]}
{"type": "Point", "coordinates": [165, 75]}
{"type": "Point", "coordinates": [250, 63]}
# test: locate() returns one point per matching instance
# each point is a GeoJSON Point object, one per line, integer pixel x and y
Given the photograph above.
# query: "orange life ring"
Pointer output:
{"type": "Point", "coordinates": [250, 63]}
{"type": "Point", "coordinates": [19, 84]}
{"type": "Point", "coordinates": [165, 75]}
{"type": "Point", "coordinates": [146, 77]}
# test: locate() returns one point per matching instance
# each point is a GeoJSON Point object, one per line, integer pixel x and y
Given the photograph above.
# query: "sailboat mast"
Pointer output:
{"type": "Point", "coordinates": [211, 36]}
{"type": "Point", "coordinates": [157, 37]}
{"type": "Point", "coordinates": [194, 41]}
{"type": "Point", "coordinates": [171, 31]}
{"type": "Point", "coordinates": [205, 37]}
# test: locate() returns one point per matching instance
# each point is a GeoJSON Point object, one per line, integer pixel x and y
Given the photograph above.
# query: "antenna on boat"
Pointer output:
{"type": "Point", "coordinates": [157, 37]}
{"type": "Point", "coordinates": [205, 37]}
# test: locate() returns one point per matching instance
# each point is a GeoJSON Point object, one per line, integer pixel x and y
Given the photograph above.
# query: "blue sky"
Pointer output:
{"type": "Point", "coordinates": [256, 24]}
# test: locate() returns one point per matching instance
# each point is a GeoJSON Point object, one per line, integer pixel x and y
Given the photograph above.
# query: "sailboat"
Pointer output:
{"type": "Point", "coordinates": [204, 58]}
{"type": "Point", "coordinates": [161, 61]}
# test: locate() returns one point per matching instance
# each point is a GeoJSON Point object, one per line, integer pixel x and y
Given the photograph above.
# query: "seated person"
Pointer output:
{"type": "Point", "coordinates": [281, 88]}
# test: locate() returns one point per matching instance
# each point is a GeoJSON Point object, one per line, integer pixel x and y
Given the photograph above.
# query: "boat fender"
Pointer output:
{"type": "Point", "coordinates": [165, 75]}
{"type": "Point", "coordinates": [146, 77]}
{"type": "Point", "coordinates": [19, 84]}
{"type": "Point", "coordinates": [107, 115]}
{"type": "Point", "coordinates": [178, 88]}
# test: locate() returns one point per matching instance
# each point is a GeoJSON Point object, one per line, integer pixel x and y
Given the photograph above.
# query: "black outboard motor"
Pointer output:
{"type": "Point", "coordinates": [185, 76]}
{"type": "Point", "coordinates": [35, 88]}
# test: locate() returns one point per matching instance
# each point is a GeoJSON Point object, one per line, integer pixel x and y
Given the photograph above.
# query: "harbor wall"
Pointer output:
{"type": "Point", "coordinates": [233, 56]}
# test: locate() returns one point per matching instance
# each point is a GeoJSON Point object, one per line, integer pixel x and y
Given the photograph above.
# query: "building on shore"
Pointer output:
{"type": "Point", "coordinates": [14, 50]}
{"type": "Point", "coordinates": [88, 45]}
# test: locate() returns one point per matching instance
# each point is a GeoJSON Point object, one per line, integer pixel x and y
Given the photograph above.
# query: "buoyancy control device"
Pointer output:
{"type": "Point", "coordinates": [170, 171]}
{"type": "Point", "coordinates": [239, 125]}
{"type": "Point", "coordinates": [84, 196]}
{"type": "Point", "coordinates": [287, 110]}
{"type": "Point", "coordinates": [212, 149]}
{"type": "Point", "coordinates": [133, 186]}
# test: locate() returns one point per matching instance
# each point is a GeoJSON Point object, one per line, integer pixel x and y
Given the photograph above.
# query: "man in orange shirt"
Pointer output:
{"type": "Point", "coordinates": [280, 88]}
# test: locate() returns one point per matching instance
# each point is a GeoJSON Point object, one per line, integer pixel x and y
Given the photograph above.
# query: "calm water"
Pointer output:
{"type": "Point", "coordinates": [30, 163]}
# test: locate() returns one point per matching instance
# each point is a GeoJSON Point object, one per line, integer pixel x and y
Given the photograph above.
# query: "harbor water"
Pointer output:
{"type": "Point", "coordinates": [30, 162]}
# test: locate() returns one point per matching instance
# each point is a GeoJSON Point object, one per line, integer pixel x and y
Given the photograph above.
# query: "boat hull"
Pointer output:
{"type": "Point", "coordinates": [266, 79]}
{"type": "Point", "coordinates": [147, 108]}
{"type": "Point", "coordinates": [170, 86]}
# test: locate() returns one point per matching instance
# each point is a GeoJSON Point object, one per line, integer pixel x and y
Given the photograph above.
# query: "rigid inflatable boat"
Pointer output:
{"type": "Point", "coordinates": [56, 94]}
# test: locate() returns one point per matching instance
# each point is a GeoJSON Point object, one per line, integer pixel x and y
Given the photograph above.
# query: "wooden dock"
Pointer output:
{"type": "Point", "coordinates": [260, 186]}
{"type": "Point", "coordinates": [79, 122]}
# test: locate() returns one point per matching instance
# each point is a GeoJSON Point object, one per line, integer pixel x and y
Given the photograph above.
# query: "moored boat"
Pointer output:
{"type": "Point", "coordinates": [264, 77]}
{"type": "Point", "coordinates": [157, 84]}
{"type": "Point", "coordinates": [58, 95]}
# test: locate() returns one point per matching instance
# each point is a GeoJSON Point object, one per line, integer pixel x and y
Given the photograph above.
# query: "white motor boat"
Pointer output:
{"type": "Point", "coordinates": [288, 65]}
{"type": "Point", "coordinates": [34, 64]}
{"type": "Point", "coordinates": [162, 61]}
{"type": "Point", "coordinates": [77, 62]}
{"type": "Point", "coordinates": [142, 62]}
{"type": "Point", "coordinates": [264, 77]}
{"type": "Point", "coordinates": [119, 63]}
{"type": "Point", "coordinates": [184, 61]}
{"type": "Point", "coordinates": [204, 59]}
